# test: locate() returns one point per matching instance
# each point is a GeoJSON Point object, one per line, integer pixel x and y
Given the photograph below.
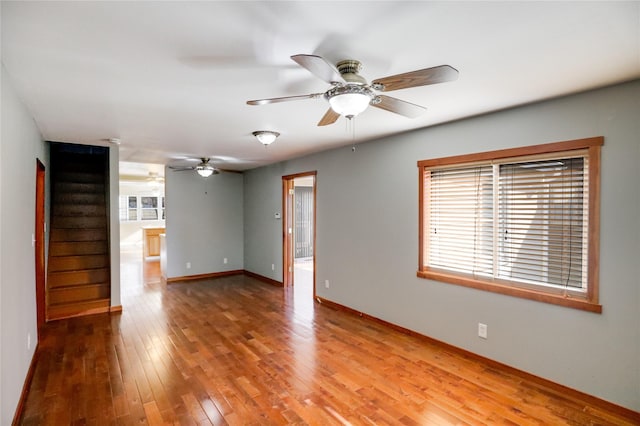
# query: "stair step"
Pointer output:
{"type": "Point", "coordinates": [66, 310]}
{"type": "Point", "coordinates": [83, 293]}
{"type": "Point", "coordinates": [79, 187]}
{"type": "Point", "coordinates": [77, 248]}
{"type": "Point", "coordinates": [79, 210]}
{"type": "Point", "coordinates": [78, 177]}
{"type": "Point", "coordinates": [78, 198]}
{"type": "Point", "coordinates": [71, 235]}
{"type": "Point", "coordinates": [81, 164]}
{"type": "Point", "coordinates": [77, 278]}
{"type": "Point", "coordinates": [75, 263]}
{"type": "Point", "coordinates": [74, 222]}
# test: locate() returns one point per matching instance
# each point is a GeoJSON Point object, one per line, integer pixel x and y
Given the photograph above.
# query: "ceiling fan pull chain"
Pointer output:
{"type": "Point", "coordinates": [350, 127]}
{"type": "Point", "coordinates": [353, 129]}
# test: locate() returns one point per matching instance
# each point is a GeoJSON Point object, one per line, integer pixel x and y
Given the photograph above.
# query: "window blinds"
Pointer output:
{"type": "Point", "coordinates": [518, 221]}
{"type": "Point", "coordinates": [461, 219]}
{"type": "Point", "coordinates": [542, 222]}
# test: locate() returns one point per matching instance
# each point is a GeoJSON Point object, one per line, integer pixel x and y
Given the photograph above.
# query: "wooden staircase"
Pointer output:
{"type": "Point", "coordinates": [78, 274]}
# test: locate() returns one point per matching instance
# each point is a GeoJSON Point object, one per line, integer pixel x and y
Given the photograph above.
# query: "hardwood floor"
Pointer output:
{"type": "Point", "coordinates": [236, 351]}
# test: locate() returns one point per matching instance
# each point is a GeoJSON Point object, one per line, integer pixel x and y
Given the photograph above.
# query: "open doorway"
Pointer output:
{"type": "Point", "coordinates": [299, 196]}
{"type": "Point", "coordinates": [142, 225]}
{"type": "Point", "coordinates": [39, 243]}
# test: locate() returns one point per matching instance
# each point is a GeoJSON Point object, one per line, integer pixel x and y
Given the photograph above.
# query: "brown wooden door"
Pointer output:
{"type": "Point", "coordinates": [288, 224]}
{"type": "Point", "coordinates": [287, 231]}
{"type": "Point", "coordinates": [39, 243]}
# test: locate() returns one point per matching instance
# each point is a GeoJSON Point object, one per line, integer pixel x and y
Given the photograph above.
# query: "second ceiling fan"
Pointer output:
{"type": "Point", "coordinates": [350, 94]}
{"type": "Point", "coordinates": [204, 168]}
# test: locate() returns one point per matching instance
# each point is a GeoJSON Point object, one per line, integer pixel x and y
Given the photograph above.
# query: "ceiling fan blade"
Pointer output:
{"type": "Point", "coordinates": [329, 117]}
{"type": "Point", "coordinates": [181, 168]}
{"type": "Point", "coordinates": [399, 107]}
{"type": "Point", "coordinates": [228, 171]}
{"type": "Point", "coordinates": [284, 99]}
{"type": "Point", "coordinates": [319, 67]}
{"type": "Point", "coordinates": [417, 78]}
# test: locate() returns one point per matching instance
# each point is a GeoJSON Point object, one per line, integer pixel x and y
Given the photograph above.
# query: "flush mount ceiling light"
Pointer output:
{"type": "Point", "coordinates": [266, 137]}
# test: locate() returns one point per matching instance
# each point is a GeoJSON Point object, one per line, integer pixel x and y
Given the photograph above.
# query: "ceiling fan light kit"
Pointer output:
{"type": "Point", "coordinates": [350, 94]}
{"type": "Point", "coordinates": [205, 170]}
{"type": "Point", "coordinates": [266, 137]}
{"type": "Point", "coordinates": [349, 100]}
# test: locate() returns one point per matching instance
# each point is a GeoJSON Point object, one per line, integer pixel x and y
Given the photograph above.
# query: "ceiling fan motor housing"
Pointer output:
{"type": "Point", "coordinates": [349, 70]}
{"type": "Point", "coordinates": [353, 96]}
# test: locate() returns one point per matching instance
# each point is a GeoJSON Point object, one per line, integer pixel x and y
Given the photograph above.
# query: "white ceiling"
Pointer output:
{"type": "Point", "coordinates": [171, 79]}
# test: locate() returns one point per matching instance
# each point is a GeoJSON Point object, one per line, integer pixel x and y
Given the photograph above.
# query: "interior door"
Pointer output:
{"type": "Point", "coordinates": [39, 243]}
{"type": "Point", "coordinates": [289, 224]}
{"type": "Point", "coordinates": [287, 231]}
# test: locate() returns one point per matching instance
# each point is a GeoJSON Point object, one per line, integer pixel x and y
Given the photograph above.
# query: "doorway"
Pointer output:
{"type": "Point", "coordinates": [142, 223]}
{"type": "Point", "coordinates": [39, 243]}
{"type": "Point", "coordinates": [299, 229]}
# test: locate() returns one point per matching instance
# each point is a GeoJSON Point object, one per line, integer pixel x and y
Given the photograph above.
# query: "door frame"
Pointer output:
{"type": "Point", "coordinates": [39, 244]}
{"type": "Point", "coordinates": [288, 214]}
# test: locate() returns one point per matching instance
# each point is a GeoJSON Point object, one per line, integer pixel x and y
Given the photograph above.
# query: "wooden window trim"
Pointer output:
{"type": "Point", "coordinates": [590, 302]}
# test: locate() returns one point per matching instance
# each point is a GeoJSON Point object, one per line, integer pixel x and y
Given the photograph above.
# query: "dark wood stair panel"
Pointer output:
{"type": "Point", "coordinates": [79, 210]}
{"type": "Point", "coordinates": [78, 198]}
{"type": "Point", "coordinates": [77, 248]}
{"type": "Point", "coordinates": [93, 188]}
{"type": "Point", "coordinates": [71, 235]}
{"type": "Point", "coordinates": [66, 310]}
{"type": "Point", "coordinates": [81, 164]}
{"type": "Point", "coordinates": [78, 177]}
{"type": "Point", "coordinates": [84, 293]}
{"type": "Point", "coordinates": [75, 263]}
{"type": "Point", "coordinates": [78, 222]}
{"type": "Point", "coordinates": [77, 278]}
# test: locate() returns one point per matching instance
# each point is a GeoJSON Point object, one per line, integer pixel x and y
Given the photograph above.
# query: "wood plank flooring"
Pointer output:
{"type": "Point", "coordinates": [236, 351]}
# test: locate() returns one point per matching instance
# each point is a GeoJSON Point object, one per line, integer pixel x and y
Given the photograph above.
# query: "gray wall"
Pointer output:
{"type": "Point", "coordinates": [203, 223]}
{"type": "Point", "coordinates": [114, 223]}
{"type": "Point", "coordinates": [367, 242]}
{"type": "Point", "coordinates": [21, 144]}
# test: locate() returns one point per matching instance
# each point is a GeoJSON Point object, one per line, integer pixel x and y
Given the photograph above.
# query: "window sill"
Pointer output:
{"type": "Point", "coordinates": [525, 293]}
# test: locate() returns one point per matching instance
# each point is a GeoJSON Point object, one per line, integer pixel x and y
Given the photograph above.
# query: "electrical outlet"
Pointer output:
{"type": "Point", "coordinates": [273, 267]}
{"type": "Point", "coordinates": [482, 330]}
{"type": "Point", "coordinates": [224, 260]}
{"type": "Point", "coordinates": [28, 340]}
{"type": "Point", "coordinates": [326, 283]}
{"type": "Point", "coordinates": [188, 265]}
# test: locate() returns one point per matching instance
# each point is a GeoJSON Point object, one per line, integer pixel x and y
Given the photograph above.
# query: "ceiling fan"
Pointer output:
{"type": "Point", "coordinates": [350, 94]}
{"type": "Point", "coordinates": [154, 177]}
{"type": "Point", "coordinates": [205, 168]}
{"type": "Point", "coordinates": [154, 180]}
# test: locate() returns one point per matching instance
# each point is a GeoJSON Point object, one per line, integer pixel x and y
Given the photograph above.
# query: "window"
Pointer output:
{"type": "Point", "coordinates": [138, 207]}
{"type": "Point", "coordinates": [149, 208]}
{"type": "Point", "coordinates": [522, 222]}
{"type": "Point", "coordinates": [130, 209]}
